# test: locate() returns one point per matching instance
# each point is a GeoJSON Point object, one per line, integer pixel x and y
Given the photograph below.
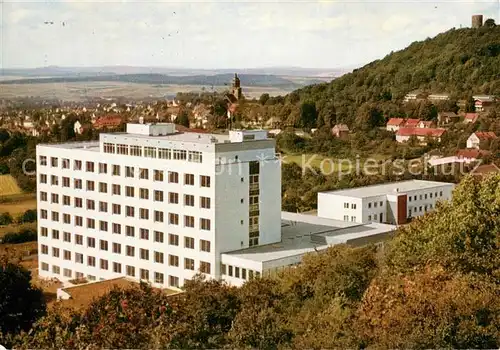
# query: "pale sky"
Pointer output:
{"type": "Point", "coordinates": [216, 34]}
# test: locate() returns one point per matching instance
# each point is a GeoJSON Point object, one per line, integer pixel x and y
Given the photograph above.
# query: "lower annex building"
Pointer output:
{"type": "Point", "coordinates": [159, 205]}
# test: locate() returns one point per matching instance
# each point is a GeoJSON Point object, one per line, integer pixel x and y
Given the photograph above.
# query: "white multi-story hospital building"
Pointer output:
{"type": "Point", "coordinates": [160, 205]}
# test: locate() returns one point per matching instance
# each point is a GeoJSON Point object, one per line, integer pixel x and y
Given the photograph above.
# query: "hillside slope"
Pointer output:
{"type": "Point", "coordinates": [459, 62]}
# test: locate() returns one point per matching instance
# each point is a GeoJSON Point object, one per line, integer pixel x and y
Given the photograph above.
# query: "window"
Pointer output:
{"type": "Point", "coordinates": [144, 233]}
{"type": "Point", "coordinates": [89, 167]}
{"type": "Point", "coordinates": [129, 211]}
{"type": "Point", "coordinates": [122, 149]}
{"type": "Point", "coordinates": [90, 223]}
{"type": "Point", "coordinates": [409, 199]}
{"type": "Point", "coordinates": [204, 181]}
{"type": "Point", "coordinates": [420, 197]}
{"type": "Point", "coordinates": [130, 271]}
{"type": "Point", "coordinates": [188, 221]}
{"type": "Point", "coordinates": [44, 231]}
{"type": "Point", "coordinates": [43, 179]}
{"type": "Point", "coordinates": [189, 200]}
{"type": "Point", "coordinates": [230, 271]}
{"type": "Point", "coordinates": [346, 205]}
{"type": "Point", "coordinates": [53, 162]}
{"type": "Point", "coordinates": [144, 254]}
{"type": "Point", "coordinates": [158, 196]}
{"type": "Point", "coordinates": [67, 255]}
{"type": "Point", "coordinates": [159, 257]}
{"type": "Point", "coordinates": [135, 150]}
{"type": "Point", "coordinates": [189, 242]}
{"type": "Point", "coordinates": [67, 236]}
{"type": "Point", "coordinates": [430, 195]}
{"type": "Point", "coordinates": [45, 266]}
{"type": "Point", "coordinates": [108, 147]}
{"type": "Point", "coordinates": [55, 252]}
{"type": "Point", "coordinates": [91, 261]}
{"type": "Point", "coordinates": [164, 153]}
{"type": "Point", "coordinates": [117, 267]}
{"type": "Point", "coordinates": [90, 242]}
{"type": "Point", "coordinates": [244, 273]}
{"type": "Point", "coordinates": [173, 198]}
{"type": "Point", "coordinates": [159, 278]}
{"type": "Point", "coordinates": [78, 184]}
{"type": "Point", "coordinates": [117, 229]}
{"type": "Point", "coordinates": [90, 185]}
{"type": "Point", "coordinates": [129, 231]}
{"type": "Point", "coordinates": [173, 177]}
{"type": "Point", "coordinates": [103, 245]}
{"type": "Point", "coordinates": [381, 203]}
{"type": "Point", "coordinates": [353, 218]}
{"type": "Point", "coordinates": [54, 198]}
{"type": "Point", "coordinates": [353, 206]}
{"type": "Point", "coordinates": [116, 170]}
{"type": "Point", "coordinates": [236, 272]}
{"type": "Point", "coordinates": [103, 207]}
{"type": "Point", "coordinates": [188, 264]}
{"type": "Point", "coordinates": [43, 213]}
{"type": "Point", "coordinates": [103, 226]}
{"type": "Point", "coordinates": [65, 163]}
{"type": "Point", "coordinates": [173, 239]}
{"type": "Point", "coordinates": [189, 179]}
{"type": "Point", "coordinates": [103, 264]}
{"type": "Point", "coordinates": [67, 273]}
{"type": "Point", "coordinates": [180, 154]}
{"type": "Point", "coordinates": [117, 209]}
{"type": "Point", "coordinates": [158, 236]}
{"type": "Point", "coordinates": [117, 248]}
{"type": "Point", "coordinates": [130, 250]}
{"type": "Point", "coordinates": [440, 193]}
{"type": "Point", "coordinates": [56, 269]}
{"type": "Point", "coordinates": [369, 218]}
{"type": "Point", "coordinates": [55, 216]}
{"type": "Point", "coordinates": [90, 204]}
{"type": "Point", "coordinates": [346, 217]}
{"type": "Point", "coordinates": [173, 219]}
{"type": "Point", "coordinates": [79, 239]}
{"type": "Point", "coordinates": [204, 245]}
{"type": "Point", "coordinates": [150, 152]}
{"type": "Point", "coordinates": [144, 274]}
{"type": "Point", "coordinates": [43, 196]}
{"type": "Point", "coordinates": [158, 175]}
{"type": "Point", "coordinates": [54, 180]}
{"type": "Point", "coordinates": [103, 187]}
{"type": "Point", "coordinates": [43, 160]}
{"type": "Point", "coordinates": [143, 173]}
{"type": "Point", "coordinates": [77, 165]}
{"type": "Point", "coordinates": [205, 267]}
{"type": "Point", "coordinates": [425, 196]}
{"type": "Point", "coordinates": [173, 260]}
{"type": "Point", "coordinates": [369, 205]}
{"type": "Point", "coordinates": [173, 281]}
{"type": "Point", "coordinates": [129, 191]}
{"type": "Point", "coordinates": [205, 224]}
{"type": "Point", "coordinates": [158, 216]}
{"type": "Point", "coordinates": [144, 213]}
{"type": "Point", "coordinates": [205, 202]}
{"type": "Point", "coordinates": [194, 156]}
{"type": "Point", "coordinates": [129, 171]}
{"type": "Point", "coordinates": [144, 193]}
{"type": "Point", "coordinates": [66, 200]}
{"type": "Point", "coordinates": [103, 168]}
{"type": "Point", "coordinates": [65, 181]}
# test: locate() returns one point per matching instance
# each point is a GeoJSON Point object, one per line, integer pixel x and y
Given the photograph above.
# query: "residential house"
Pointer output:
{"type": "Point", "coordinates": [485, 170]}
{"type": "Point", "coordinates": [482, 106]}
{"type": "Point", "coordinates": [471, 155]}
{"type": "Point", "coordinates": [426, 124]}
{"type": "Point", "coordinates": [411, 123]}
{"type": "Point", "coordinates": [340, 131]}
{"type": "Point", "coordinates": [108, 122]}
{"type": "Point", "coordinates": [438, 97]}
{"type": "Point", "coordinates": [474, 140]}
{"type": "Point", "coordinates": [404, 134]}
{"type": "Point", "coordinates": [471, 118]}
{"type": "Point", "coordinates": [394, 124]}
{"type": "Point", "coordinates": [447, 118]}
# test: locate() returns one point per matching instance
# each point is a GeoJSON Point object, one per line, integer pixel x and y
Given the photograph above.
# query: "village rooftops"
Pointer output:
{"type": "Point", "coordinates": [421, 132]}
{"type": "Point", "coordinates": [389, 188]}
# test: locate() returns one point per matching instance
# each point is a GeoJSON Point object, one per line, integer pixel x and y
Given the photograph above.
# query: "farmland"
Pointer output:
{"type": "Point", "coordinates": [8, 186]}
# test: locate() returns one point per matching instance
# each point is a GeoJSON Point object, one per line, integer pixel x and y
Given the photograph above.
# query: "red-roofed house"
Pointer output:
{"type": "Point", "coordinates": [108, 122]}
{"type": "Point", "coordinates": [426, 124]}
{"type": "Point", "coordinates": [470, 155]}
{"type": "Point", "coordinates": [412, 123]}
{"type": "Point", "coordinates": [485, 170]}
{"type": "Point", "coordinates": [474, 140]}
{"type": "Point", "coordinates": [394, 124]}
{"type": "Point", "coordinates": [471, 118]}
{"type": "Point", "coordinates": [404, 134]}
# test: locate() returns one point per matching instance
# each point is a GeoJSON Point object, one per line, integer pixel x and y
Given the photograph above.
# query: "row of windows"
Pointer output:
{"type": "Point", "coordinates": [158, 277]}
{"type": "Point", "coordinates": [346, 218]}
{"type": "Point", "coordinates": [158, 175]}
{"type": "Point", "coordinates": [153, 152]}
{"type": "Point", "coordinates": [419, 209]}
{"type": "Point", "coordinates": [144, 193]}
{"type": "Point", "coordinates": [158, 237]}
{"type": "Point", "coordinates": [375, 204]}
{"type": "Point", "coordinates": [238, 272]}
{"type": "Point", "coordinates": [424, 196]}
{"type": "Point", "coordinates": [158, 257]}
{"type": "Point", "coordinates": [346, 205]}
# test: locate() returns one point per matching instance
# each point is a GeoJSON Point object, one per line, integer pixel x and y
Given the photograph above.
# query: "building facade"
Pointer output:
{"type": "Point", "coordinates": [392, 203]}
{"type": "Point", "coordinates": [155, 204]}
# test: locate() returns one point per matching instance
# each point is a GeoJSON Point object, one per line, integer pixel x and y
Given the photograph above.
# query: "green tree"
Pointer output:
{"type": "Point", "coordinates": [489, 23]}
{"type": "Point", "coordinates": [21, 304]}
{"type": "Point", "coordinates": [264, 98]}
{"type": "Point", "coordinates": [470, 106]}
{"type": "Point", "coordinates": [183, 119]}
{"type": "Point", "coordinates": [6, 219]}
{"type": "Point", "coordinates": [308, 115]}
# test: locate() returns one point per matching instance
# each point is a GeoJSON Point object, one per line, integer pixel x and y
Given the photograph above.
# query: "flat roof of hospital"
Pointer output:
{"type": "Point", "coordinates": [303, 233]}
{"type": "Point", "coordinates": [389, 188]}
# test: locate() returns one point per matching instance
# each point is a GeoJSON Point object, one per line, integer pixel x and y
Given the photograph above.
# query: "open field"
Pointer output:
{"type": "Point", "coordinates": [79, 91]}
{"type": "Point", "coordinates": [18, 206]}
{"type": "Point", "coordinates": [8, 186]}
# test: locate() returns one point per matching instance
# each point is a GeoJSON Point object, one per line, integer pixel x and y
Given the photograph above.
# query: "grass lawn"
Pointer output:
{"type": "Point", "coordinates": [8, 186]}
